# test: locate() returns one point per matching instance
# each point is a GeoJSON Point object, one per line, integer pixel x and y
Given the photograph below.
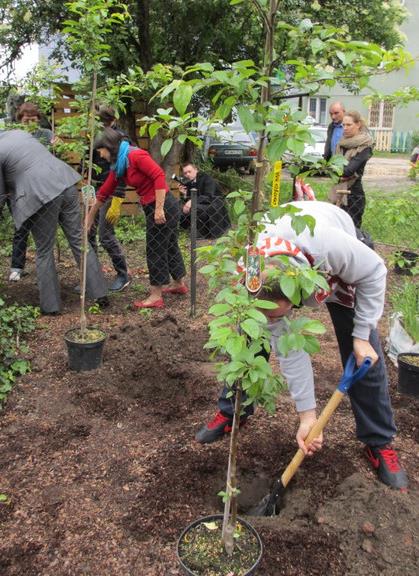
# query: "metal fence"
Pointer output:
{"type": "Point", "coordinates": [44, 252]}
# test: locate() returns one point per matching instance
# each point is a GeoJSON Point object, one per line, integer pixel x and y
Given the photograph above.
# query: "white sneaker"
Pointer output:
{"type": "Point", "coordinates": [15, 274]}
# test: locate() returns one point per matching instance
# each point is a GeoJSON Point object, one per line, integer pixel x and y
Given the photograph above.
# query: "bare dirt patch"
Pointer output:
{"type": "Point", "coordinates": [103, 473]}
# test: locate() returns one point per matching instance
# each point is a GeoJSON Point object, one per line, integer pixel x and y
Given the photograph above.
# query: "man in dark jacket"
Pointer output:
{"type": "Point", "coordinates": [212, 215]}
{"type": "Point", "coordinates": [42, 188]}
{"type": "Point", "coordinates": [335, 129]}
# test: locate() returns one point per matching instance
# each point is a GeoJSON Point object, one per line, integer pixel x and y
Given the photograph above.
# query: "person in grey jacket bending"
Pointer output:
{"type": "Point", "coordinates": [357, 279]}
{"type": "Point", "coordinates": [42, 188]}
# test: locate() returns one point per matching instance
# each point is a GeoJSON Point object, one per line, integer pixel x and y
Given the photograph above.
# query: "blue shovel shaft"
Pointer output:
{"type": "Point", "coordinates": [350, 376]}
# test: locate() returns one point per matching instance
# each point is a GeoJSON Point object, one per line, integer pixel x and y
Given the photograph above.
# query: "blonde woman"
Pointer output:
{"type": "Point", "coordinates": [356, 146]}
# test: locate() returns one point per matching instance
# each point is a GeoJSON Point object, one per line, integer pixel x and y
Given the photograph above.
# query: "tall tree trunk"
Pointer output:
{"type": "Point", "coordinates": [142, 18]}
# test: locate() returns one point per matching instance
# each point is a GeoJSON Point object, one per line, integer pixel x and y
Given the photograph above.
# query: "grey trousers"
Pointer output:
{"type": "Point", "coordinates": [63, 210]}
{"type": "Point", "coordinates": [108, 240]}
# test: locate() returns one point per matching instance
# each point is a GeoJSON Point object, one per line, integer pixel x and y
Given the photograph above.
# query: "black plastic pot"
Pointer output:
{"type": "Point", "coordinates": [410, 261]}
{"type": "Point", "coordinates": [408, 375]}
{"type": "Point", "coordinates": [211, 518]}
{"type": "Point", "coordinates": [84, 356]}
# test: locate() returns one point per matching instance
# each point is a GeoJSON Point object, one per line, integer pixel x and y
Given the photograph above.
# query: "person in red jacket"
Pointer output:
{"type": "Point", "coordinates": [137, 169]}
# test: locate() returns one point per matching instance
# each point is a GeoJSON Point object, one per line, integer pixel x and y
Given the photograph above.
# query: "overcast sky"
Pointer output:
{"type": "Point", "coordinates": [29, 58]}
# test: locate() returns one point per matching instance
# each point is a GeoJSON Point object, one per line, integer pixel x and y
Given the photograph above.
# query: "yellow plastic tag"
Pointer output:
{"type": "Point", "coordinates": [276, 184]}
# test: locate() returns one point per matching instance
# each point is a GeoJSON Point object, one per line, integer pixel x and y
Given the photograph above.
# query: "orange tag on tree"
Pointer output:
{"type": "Point", "coordinates": [253, 270]}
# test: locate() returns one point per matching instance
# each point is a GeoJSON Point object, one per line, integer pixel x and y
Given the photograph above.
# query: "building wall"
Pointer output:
{"type": "Point", "coordinates": [406, 118]}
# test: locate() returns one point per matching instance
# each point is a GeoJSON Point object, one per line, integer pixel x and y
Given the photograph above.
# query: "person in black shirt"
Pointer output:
{"type": "Point", "coordinates": [212, 215]}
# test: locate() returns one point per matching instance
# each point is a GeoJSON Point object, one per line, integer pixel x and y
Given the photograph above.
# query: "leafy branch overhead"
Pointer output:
{"type": "Point", "coordinates": [326, 55]}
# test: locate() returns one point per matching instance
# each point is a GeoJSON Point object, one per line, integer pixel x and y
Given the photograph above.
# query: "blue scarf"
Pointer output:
{"type": "Point", "coordinates": [121, 164]}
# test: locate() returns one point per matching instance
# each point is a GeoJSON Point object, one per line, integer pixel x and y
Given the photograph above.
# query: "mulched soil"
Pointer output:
{"type": "Point", "coordinates": [103, 473]}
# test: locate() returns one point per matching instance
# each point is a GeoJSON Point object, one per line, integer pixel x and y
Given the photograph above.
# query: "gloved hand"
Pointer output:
{"type": "Point", "coordinates": [114, 210]}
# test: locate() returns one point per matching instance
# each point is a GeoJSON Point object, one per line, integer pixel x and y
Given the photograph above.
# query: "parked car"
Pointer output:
{"type": "Point", "coordinates": [317, 148]}
{"type": "Point", "coordinates": [313, 152]}
{"type": "Point", "coordinates": [232, 149]}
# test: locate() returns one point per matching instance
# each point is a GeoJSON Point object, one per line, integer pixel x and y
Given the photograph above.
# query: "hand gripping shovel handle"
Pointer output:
{"type": "Point", "coordinates": [350, 376]}
{"type": "Point", "coordinates": [270, 504]}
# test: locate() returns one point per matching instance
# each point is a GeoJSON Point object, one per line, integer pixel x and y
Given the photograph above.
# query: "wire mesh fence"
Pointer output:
{"type": "Point", "coordinates": [50, 241]}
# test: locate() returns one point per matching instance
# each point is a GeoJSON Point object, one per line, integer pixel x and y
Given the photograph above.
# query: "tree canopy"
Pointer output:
{"type": "Point", "coordinates": [188, 31]}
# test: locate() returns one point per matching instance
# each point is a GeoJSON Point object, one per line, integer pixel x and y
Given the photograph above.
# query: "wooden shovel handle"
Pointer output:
{"type": "Point", "coordinates": [318, 427]}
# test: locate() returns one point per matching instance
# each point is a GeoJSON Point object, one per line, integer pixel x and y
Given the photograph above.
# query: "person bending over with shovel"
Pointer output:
{"type": "Point", "coordinates": [357, 280]}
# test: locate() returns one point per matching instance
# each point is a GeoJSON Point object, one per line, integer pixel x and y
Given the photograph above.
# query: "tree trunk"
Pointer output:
{"type": "Point", "coordinates": [142, 18]}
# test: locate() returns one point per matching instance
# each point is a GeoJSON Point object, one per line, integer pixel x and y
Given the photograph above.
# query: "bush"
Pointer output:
{"type": "Point", "coordinates": [14, 322]}
{"type": "Point", "coordinates": [415, 139]}
{"type": "Point", "coordinates": [406, 301]}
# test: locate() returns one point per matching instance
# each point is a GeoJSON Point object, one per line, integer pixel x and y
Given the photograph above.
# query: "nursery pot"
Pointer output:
{"type": "Point", "coordinates": [188, 564]}
{"type": "Point", "coordinates": [408, 373]}
{"type": "Point", "coordinates": [410, 261]}
{"type": "Point", "coordinates": [87, 354]}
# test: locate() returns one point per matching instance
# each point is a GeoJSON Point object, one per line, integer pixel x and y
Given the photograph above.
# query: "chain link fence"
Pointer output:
{"type": "Point", "coordinates": [44, 253]}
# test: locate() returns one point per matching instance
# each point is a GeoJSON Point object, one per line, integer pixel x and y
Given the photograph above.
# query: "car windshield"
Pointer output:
{"type": "Point", "coordinates": [230, 137]}
{"type": "Point", "coordinates": [318, 134]}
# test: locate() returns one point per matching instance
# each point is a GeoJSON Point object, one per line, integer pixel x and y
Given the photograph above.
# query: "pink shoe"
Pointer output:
{"type": "Point", "coordinates": [142, 304]}
{"type": "Point", "coordinates": [175, 290]}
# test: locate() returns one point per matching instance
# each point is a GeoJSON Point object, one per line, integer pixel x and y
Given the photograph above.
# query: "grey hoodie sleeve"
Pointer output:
{"type": "Point", "coordinates": [297, 371]}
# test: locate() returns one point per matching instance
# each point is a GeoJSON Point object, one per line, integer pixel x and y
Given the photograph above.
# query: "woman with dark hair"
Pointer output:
{"type": "Point", "coordinates": [137, 169]}
{"type": "Point", "coordinates": [356, 146]}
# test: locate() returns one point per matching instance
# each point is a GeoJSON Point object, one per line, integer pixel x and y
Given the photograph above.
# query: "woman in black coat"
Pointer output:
{"type": "Point", "coordinates": [356, 146]}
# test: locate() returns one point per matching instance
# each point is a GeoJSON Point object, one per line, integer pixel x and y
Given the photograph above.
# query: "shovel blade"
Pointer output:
{"type": "Point", "coordinates": [270, 505]}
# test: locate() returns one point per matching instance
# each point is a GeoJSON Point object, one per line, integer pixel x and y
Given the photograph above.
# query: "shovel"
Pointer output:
{"type": "Point", "coordinates": [271, 503]}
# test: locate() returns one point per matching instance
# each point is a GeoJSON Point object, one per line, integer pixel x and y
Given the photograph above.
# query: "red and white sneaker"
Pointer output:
{"type": "Point", "coordinates": [385, 460]}
{"type": "Point", "coordinates": [216, 429]}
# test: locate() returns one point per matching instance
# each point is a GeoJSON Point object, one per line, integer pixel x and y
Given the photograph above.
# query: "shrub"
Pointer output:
{"type": "Point", "coordinates": [15, 321]}
{"type": "Point", "coordinates": [406, 301]}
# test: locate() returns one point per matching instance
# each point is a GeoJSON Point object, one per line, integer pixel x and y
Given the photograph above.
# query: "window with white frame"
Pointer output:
{"type": "Point", "coordinates": [381, 115]}
{"type": "Point", "coordinates": [317, 109]}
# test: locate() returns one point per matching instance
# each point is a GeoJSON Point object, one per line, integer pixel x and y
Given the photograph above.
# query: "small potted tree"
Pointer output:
{"type": "Point", "coordinates": [404, 337]}
{"type": "Point", "coordinates": [85, 38]}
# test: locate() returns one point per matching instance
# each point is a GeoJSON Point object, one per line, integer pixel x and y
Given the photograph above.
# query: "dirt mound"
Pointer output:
{"type": "Point", "coordinates": [102, 471]}
{"type": "Point", "coordinates": [378, 527]}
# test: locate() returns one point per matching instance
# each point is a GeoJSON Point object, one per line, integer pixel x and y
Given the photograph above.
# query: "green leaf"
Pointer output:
{"type": "Point", "coordinates": [182, 97]}
{"type": "Point", "coordinates": [266, 304]}
{"type": "Point", "coordinates": [208, 269]}
{"type": "Point", "coordinates": [258, 316]}
{"type": "Point", "coordinates": [311, 345]}
{"type": "Point", "coordinates": [316, 45]}
{"type": "Point", "coordinates": [315, 327]}
{"type": "Point", "coordinates": [166, 147]}
{"type": "Point", "coordinates": [288, 285]}
{"type": "Point", "coordinates": [153, 129]}
{"type": "Point", "coordinates": [234, 346]}
{"type": "Point", "coordinates": [276, 149]}
{"type": "Point", "coordinates": [219, 309]}
{"type": "Point", "coordinates": [250, 124]}
{"type": "Point", "coordinates": [251, 328]}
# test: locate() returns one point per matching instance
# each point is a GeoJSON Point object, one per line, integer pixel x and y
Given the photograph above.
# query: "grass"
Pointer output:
{"type": "Point", "coordinates": [389, 218]}
{"type": "Point", "coordinates": [381, 154]}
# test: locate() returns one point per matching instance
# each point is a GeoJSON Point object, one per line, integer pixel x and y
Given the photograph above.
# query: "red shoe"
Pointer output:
{"type": "Point", "coordinates": [142, 304]}
{"type": "Point", "coordinates": [175, 290]}
{"type": "Point", "coordinates": [216, 429]}
{"type": "Point", "coordinates": [384, 459]}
